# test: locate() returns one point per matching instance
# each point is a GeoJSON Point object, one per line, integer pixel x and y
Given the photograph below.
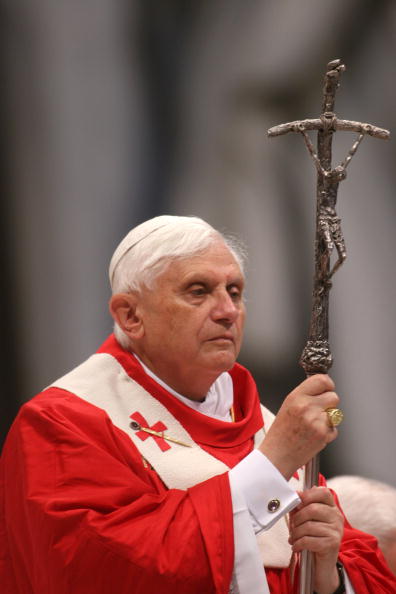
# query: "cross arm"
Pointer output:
{"type": "Point", "coordinates": [337, 124]}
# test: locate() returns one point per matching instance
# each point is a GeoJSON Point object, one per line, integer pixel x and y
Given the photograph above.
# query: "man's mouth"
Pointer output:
{"type": "Point", "coordinates": [223, 337]}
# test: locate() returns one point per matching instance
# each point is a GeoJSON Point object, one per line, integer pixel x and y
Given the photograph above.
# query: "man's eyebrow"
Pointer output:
{"type": "Point", "coordinates": [208, 279]}
{"type": "Point", "coordinates": [237, 280]}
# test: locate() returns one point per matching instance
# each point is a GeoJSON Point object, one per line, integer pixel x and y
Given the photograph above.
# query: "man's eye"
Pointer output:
{"type": "Point", "coordinates": [198, 291]}
{"type": "Point", "coordinates": [235, 294]}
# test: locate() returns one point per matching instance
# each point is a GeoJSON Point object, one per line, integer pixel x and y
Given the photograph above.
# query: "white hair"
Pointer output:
{"type": "Point", "coordinates": [146, 251]}
{"type": "Point", "coordinates": [369, 505]}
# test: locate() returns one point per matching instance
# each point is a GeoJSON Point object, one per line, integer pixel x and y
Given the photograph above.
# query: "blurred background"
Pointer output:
{"type": "Point", "coordinates": [116, 111]}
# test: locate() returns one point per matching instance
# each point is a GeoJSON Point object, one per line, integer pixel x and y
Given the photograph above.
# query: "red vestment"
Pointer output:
{"type": "Point", "coordinates": [82, 513]}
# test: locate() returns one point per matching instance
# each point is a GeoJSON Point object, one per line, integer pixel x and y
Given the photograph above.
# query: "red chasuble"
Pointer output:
{"type": "Point", "coordinates": [83, 513]}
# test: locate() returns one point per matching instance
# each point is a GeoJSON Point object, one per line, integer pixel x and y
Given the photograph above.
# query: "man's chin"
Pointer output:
{"type": "Point", "coordinates": [223, 361]}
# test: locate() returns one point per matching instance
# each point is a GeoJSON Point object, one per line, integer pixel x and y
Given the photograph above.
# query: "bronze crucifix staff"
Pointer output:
{"type": "Point", "coordinates": [316, 356]}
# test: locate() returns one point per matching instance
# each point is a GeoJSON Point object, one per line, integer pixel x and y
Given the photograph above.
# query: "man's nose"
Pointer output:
{"type": "Point", "coordinates": [224, 307]}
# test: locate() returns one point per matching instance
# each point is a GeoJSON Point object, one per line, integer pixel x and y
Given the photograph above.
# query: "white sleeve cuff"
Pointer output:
{"type": "Point", "coordinates": [265, 491]}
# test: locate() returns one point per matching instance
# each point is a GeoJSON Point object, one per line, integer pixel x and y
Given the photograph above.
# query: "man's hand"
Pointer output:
{"type": "Point", "coordinates": [301, 428]}
{"type": "Point", "coordinates": [317, 525]}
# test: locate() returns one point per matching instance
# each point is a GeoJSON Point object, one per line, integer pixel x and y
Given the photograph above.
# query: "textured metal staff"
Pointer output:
{"type": "Point", "coordinates": [316, 356]}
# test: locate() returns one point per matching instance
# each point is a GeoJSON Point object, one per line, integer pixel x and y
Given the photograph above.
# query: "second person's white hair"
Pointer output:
{"type": "Point", "coordinates": [369, 505]}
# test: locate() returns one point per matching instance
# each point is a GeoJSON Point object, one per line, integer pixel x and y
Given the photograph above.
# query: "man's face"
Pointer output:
{"type": "Point", "coordinates": [193, 318]}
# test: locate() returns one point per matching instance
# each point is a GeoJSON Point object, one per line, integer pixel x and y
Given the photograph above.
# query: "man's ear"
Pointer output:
{"type": "Point", "coordinates": [124, 310]}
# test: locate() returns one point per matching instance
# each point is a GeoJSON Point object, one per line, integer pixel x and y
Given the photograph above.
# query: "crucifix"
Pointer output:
{"type": "Point", "coordinates": [316, 356]}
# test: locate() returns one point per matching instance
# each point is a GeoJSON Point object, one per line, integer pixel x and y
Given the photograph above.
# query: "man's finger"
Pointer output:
{"type": "Point", "coordinates": [317, 384]}
{"type": "Point", "coordinates": [316, 495]}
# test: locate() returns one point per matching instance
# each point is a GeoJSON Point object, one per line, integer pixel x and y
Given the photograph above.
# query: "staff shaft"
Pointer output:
{"type": "Point", "coordinates": [316, 356]}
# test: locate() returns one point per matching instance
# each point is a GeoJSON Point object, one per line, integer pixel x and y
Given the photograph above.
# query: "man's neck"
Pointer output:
{"type": "Point", "coordinates": [195, 388]}
{"type": "Point", "coordinates": [217, 402]}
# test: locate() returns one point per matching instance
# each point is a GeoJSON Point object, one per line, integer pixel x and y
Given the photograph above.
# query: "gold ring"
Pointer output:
{"type": "Point", "coordinates": [335, 416]}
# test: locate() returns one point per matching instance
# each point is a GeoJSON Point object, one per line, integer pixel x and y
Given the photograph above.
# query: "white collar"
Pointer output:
{"type": "Point", "coordinates": [218, 401]}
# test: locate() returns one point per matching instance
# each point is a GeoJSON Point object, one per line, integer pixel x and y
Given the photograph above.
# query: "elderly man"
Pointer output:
{"type": "Point", "coordinates": [152, 468]}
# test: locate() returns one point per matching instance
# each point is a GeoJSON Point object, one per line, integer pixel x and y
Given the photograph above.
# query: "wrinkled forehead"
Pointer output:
{"type": "Point", "coordinates": [216, 259]}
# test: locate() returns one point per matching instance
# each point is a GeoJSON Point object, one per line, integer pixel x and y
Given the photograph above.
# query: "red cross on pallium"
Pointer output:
{"type": "Point", "coordinates": [159, 426]}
